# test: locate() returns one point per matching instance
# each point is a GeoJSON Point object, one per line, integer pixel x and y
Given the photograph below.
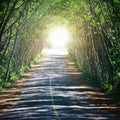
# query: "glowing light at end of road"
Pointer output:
{"type": "Point", "coordinates": [59, 37]}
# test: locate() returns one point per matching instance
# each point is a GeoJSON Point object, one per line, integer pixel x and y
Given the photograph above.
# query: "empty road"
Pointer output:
{"type": "Point", "coordinates": [52, 94]}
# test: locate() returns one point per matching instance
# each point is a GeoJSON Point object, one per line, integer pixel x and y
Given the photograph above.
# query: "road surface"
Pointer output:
{"type": "Point", "coordinates": [52, 94]}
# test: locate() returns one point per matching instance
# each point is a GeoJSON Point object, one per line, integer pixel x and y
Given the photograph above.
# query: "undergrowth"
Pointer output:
{"type": "Point", "coordinates": [15, 75]}
{"type": "Point", "coordinates": [95, 82]}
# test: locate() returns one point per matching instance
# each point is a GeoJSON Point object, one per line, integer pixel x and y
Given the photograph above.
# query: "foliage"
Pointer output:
{"type": "Point", "coordinates": [95, 42]}
{"type": "Point", "coordinates": [20, 35]}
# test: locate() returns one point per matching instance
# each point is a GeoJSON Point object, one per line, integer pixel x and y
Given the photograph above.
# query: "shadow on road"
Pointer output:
{"type": "Point", "coordinates": [55, 91]}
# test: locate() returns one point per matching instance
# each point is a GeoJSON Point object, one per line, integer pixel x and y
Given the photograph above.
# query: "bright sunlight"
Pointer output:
{"type": "Point", "coordinates": [58, 37]}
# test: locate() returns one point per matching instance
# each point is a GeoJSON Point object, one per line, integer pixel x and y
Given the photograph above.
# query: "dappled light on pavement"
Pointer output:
{"type": "Point", "coordinates": [52, 94]}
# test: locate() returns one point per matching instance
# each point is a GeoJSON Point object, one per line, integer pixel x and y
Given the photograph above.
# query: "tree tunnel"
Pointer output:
{"type": "Point", "coordinates": [92, 27]}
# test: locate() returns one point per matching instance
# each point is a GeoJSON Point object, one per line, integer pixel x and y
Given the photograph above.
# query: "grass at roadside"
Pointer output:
{"type": "Point", "coordinates": [14, 76]}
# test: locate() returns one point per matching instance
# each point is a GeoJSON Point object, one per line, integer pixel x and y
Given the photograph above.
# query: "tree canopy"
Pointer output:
{"type": "Point", "coordinates": [95, 42]}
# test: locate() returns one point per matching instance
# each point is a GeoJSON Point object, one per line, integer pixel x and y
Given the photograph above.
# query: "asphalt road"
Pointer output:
{"type": "Point", "coordinates": [51, 94]}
